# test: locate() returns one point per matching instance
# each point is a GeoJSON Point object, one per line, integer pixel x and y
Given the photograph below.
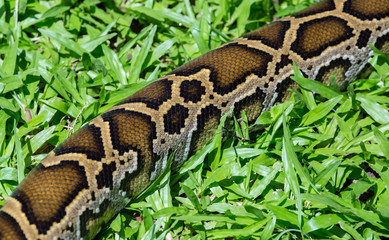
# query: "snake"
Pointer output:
{"type": "Point", "coordinates": [94, 173]}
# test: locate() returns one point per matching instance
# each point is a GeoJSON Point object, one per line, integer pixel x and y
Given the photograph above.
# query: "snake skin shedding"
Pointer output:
{"type": "Point", "coordinates": [92, 175]}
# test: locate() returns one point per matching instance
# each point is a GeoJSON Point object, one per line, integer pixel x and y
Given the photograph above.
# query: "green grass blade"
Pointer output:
{"type": "Point", "coordinates": [375, 110]}
{"type": "Point", "coordinates": [321, 111]}
{"type": "Point", "coordinates": [383, 142]}
{"type": "Point", "coordinates": [68, 43]}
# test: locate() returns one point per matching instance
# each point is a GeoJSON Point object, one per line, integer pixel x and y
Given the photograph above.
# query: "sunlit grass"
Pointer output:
{"type": "Point", "coordinates": [316, 169]}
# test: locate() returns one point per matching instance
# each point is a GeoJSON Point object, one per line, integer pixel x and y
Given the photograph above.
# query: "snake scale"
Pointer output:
{"type": "Point", "coordinates": [92, 175]}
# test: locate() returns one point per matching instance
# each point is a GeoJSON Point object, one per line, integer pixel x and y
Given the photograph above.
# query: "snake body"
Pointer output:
{"type": "Point", "coordinates": [87, 179]}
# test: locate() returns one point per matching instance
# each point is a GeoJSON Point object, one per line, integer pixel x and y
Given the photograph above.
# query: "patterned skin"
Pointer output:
{"type": "Point", "coordinates": [93, 174]}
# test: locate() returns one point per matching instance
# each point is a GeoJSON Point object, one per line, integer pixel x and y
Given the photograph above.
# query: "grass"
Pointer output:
{"type": "Point", "coordinates": [317, 170]}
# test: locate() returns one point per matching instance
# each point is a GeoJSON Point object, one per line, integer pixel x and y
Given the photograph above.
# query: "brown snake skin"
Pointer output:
{"type": "Point", "coordinates": [94, 173]}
